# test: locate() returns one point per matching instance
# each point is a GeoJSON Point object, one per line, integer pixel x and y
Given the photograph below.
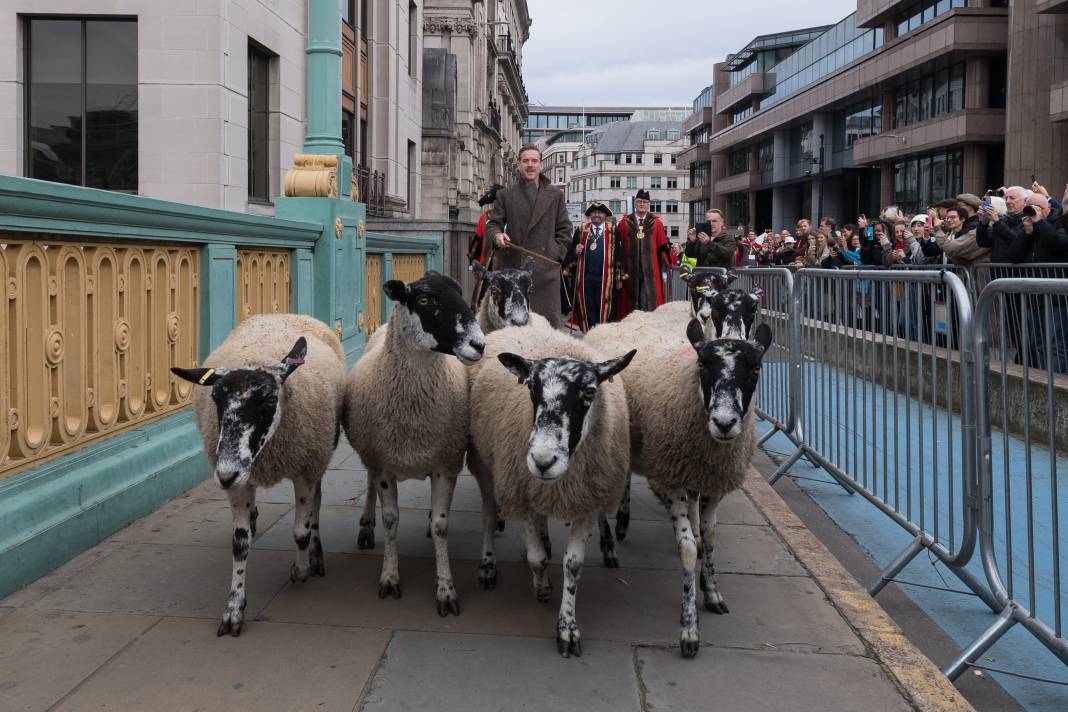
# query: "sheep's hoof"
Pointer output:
{"type": "Point", "coordinates": [233, 618]}
{"type": "Point", "coordinates": [388, 588]}
{"type": "Point", "coordinates": [500, 525]}
{"type": "Point", "coordinates": [611, 561]}
{"type": "Point", "coordinates": [689, 647]}
{"type": "Point", "coordinates": [622, 524]}
{"type": "Point", "coordinates": [487, 575]}
{"type": "Point", "coordinates": [547, 544]}
{"type": "Point", "coordinates": [449, 604]}
{"type": "Point", "coordinates": [568, 642]}
{"type": "Point", "coordinates": [366, 538]}
{"type": "Point", "coordinates": [715, 603]}
{"type": "Point", "coordinates": [543, 591]}
{"type": "Point", "coordinates": [298, 574]}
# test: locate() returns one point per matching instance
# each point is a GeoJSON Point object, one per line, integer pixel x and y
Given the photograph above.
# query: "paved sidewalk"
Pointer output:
{"type": "Point", "coordinates": [130, 624]}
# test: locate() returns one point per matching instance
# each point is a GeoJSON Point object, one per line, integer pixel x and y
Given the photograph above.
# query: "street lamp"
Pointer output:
{"type": "Point", "coordinates": [820, 162]}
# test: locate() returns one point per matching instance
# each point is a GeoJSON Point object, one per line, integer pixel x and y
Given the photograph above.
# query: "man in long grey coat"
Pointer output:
{"type": "Point", "coordinates": [535, 217]}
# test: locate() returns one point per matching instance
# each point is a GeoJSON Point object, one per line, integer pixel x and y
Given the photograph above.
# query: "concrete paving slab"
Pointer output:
{"type": "Point", "coordinates": [56, 579]}
{"type": "Point", "coordinates": [196, 522]}
{"type": "Point", "coordinates": [649, 545]}
{"type": "Point", "coordinates": [150, 579]}
{"type": "Point", "coordinates": [726, 679]}
{"type": "Point", "coordinates": [613, 604]}
{"type": "Point", "coordinates": [180, 665]}
{"type": "Point", "coordinates": [500, 674]}
{"type": "Point", "coordinates": [342, 487]}
{"type": "Point", "coordinates": [45, 654]}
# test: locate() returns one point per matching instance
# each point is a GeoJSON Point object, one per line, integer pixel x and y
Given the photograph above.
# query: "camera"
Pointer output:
{"type": "Point", "coordinates": [1029, 211]}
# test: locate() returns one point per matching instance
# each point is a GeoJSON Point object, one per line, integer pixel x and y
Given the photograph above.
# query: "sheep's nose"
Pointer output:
{"type": "Point", "coordinates": [479, 346]}
{"type": "Point", "coordinates": [543, 467]}
{"type": "Point", "coordinates": [226, 477]}
{"type": "Point", "coordinates": [725, 425]}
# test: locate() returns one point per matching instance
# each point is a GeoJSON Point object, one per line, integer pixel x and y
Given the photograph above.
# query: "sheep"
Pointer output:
{"type": "Point", "coordinates": [559, 448]}
{"type": "Point", "coordinates": [692, 437]}
{"type": "Point", "coordinates": [505, 301]}
{"type": "Point", "coordinates": [271, 409]}
{"type": "Point", "coordinates": [418, 395]}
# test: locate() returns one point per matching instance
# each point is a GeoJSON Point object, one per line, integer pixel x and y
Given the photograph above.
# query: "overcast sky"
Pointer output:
{"type": "Point", "coordinates": [648, 52]}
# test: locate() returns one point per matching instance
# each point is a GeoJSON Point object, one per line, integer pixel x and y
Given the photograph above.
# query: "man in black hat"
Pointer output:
{"type": "Point", "coordinates": [647, 256]}
{"type": "Point", "coordinates": [594, 261]}
{"type": "Point", "coordinates": [477, 249]}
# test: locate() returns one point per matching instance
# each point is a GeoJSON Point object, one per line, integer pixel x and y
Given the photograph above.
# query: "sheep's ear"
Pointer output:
{"type": "Point", "coordinates": [609, 368]}
{"type": "Point", "coordinates": [695, 333]}
{"type": "Point", "coordinates": [762, 336]}
{"type": "Point", "coordinates": [295, 358]}
{"type": "Point", "coordinates": [200, 376]}
{"type": "Point", "coordinates": [396, 290]}
{"type": "Point", "coordinates": [685, 272]}
{"type": "Point", "coordinates": [518, 365]}
{"type": "Point", "coordinates": [528, 265]}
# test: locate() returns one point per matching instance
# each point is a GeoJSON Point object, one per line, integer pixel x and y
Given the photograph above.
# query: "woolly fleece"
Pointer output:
{"type": "Point", "coordinates": [314, 395]}
{"type": "Point", "coordinates": [502, 416]}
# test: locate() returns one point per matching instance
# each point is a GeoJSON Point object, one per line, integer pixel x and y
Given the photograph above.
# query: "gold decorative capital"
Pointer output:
{"type": "Point", "coordinates": [359, 228]}
{"type": "Point", "coordinates": [337, 328]}
{"type": "Point", "coordinates": [338, 228]}
{"type": "Point", "coordinates": [355, 189]}
{"type": "Point", "coordinates": [359, 321]}
{"type": "Point", "coordinates": [312, 176]}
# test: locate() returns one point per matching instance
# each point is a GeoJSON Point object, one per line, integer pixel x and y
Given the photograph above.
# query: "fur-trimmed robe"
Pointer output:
{"type": "Point", "coordinates": [646, 254]}
{"type": "Point", "coordinates": [610, 256]}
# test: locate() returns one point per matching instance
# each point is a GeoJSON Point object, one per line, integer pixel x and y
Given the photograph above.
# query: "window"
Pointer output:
{"type": "Point", "coordinates": [630, 158]}
{"type": "Point", "coordinates": [672, 159]}
{"type": "Point", "coordinates": [658, 158]}
{"type": "Point", "coordinates": [674, 135]}
{"type": "Point", "coordinates": [348, 11]}
{"type": "Point", "coordinates": [654, 182]}
{"type": "Point", "coordinates": [411, 177]}
{"type": "Point", "coordinates": [654, 206]}
{"type": "Point", "coordinates": [652, 135]}
{"type": "Point", "coordinates": [674, 231]}
{"type": "Point", "coordinates": [638, 158]}
{"type": "Point", "coordinates": [632, 181]}
{"type": "Point", "coordinates": [920, 181]}
{"type": "Point", "coordinates": [739, 161]}
{"type": "Point", "coordinates": [615, 159]}
{"type": "Point", "coordinates": [348, 129]}
{"type": "Point", "coordinates": [259, 114]}
{"type": "Point", "coordinates": [671, 207]}
{"type": "Point", "coordinates": [672, 182]}
{"type": "Point", "coordinates": [413, 37]}
{"type": "Point", "coordinates": [930, 96]}
{"type": "Point", "coordinates": [613, 182]}
{"type": "Point", "coordinates": [81, 122]}
{"type": "Point", "coordinates": [615, 206]}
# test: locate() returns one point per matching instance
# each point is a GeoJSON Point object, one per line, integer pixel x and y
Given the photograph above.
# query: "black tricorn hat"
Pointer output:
{"type": "Point", "coordinates": [642, 195]}
{"type": "Point", "coordinates": [490, 196]}
{"type": "Point", "coordinates": [596, 205]}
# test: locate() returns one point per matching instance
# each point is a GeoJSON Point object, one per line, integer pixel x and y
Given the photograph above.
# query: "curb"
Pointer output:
{"type": "Point", "coordinates": [916, 676]}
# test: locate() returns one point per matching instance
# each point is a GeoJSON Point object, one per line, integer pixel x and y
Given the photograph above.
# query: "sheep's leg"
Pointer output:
{"type": "Point", "coordinates": [623, 515]}
{"type": "Point", "coordinates": [608, 544]}
{"type": "Point", "coordinates": [441, 489]}
{"type": "Point", "coordinates": [317, 563]}
{"type": "Point", "coordinates": [242, 499]}
{"type": "Point", "coordinates": [487, 567]}
{"type": "Point", "coordinates": [714, 600]}
{"type": "Point", "coordinates": [537, 559]}
{"type": "Point", "coordinates": [693, 512]}
{"type": "Point", "coordinates": [568, 640]}
{"type": "Point", "coordinates": [678, 503]}
{"type": "Point", "coordinates": [366, 538]}
{"type": "Point", "coordinates": [304, 493]}
{"type": "Point", "coordinates": [389, 581]}
{"type": "Point", "coordinates": [253, 515]}
{"type": "Point", "coordinates": [543, 532]}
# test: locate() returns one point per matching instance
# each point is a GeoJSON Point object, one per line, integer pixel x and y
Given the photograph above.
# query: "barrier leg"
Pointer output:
{"type": "Point", "coordinates": [790, 462]}
{"type": "Point", "coordinates": [898, 564]}
{"type": "Point", "coordinates": [990, 636]}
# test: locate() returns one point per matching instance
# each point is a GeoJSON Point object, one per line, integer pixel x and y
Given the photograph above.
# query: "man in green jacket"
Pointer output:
{"type": "Point", "coordinates": [714, 248]}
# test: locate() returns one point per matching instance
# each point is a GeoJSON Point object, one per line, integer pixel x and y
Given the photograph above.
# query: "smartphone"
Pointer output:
{"type": "Point", "coordinates": [986, 202]}
{"type": "Point", "coordinates": [704, 227]}
{"type": "Point", "coordinates": [869, 232]}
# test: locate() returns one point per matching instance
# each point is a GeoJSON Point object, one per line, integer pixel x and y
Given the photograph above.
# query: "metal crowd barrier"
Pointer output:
{"type": "Point", "coordinates": [1019, 527]}
{"type": "Point", "coordinates": [877, 377]}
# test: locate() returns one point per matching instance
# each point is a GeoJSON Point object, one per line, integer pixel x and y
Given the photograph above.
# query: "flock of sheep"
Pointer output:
{"type": "Point", "coordinates": [550, 425]}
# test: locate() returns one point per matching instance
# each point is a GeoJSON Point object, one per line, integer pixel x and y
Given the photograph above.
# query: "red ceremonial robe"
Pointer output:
{"type": "Point", "coordinates": [654, 240]}
{"type": "Point", "coordinates": [610, 264]}
{"type": "Point", "coordinates": [478, 250]}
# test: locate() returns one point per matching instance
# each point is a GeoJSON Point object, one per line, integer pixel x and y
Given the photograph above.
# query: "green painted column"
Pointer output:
{"type": "Point", "coordinates": [324, 55]}
{"type": "Point", "coordinates": [218, 306]}
{"type": "Point", "coordinates": [303, 282]}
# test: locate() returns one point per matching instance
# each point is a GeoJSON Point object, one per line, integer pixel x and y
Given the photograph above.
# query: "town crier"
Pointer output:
{"type": "Point", "coordinates": [646, 258]}
{"type": "Point", "coordinates": [595, 263]}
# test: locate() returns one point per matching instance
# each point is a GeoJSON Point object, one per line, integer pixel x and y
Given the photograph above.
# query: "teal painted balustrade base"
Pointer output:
{"type": "Point", "coordinates": [52, 513]}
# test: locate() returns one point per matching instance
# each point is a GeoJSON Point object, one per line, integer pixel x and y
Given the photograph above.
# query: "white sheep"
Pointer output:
{"type": "Point", "coordinates": [557, 448]}
{"type": "Point", "coordinates": [407, 417]}
{"type": "Point", "coordinates": [692, 437]}
{"type": "Point", "coordinates": [272, 411]}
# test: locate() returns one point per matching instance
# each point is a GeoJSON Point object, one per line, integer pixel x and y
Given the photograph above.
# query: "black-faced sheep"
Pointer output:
{"type": "Point", "coordinates": [692, 437]}
{"type": "Point", "coordinates": [556, 448]}
{"type": "Point", "coordinates": [271, 410]}
{"type": "Point", "coordinates": [407, 411]}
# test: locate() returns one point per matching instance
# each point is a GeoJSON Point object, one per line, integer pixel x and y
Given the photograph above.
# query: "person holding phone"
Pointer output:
{"type": "Point", "coordinates": [712, 246]}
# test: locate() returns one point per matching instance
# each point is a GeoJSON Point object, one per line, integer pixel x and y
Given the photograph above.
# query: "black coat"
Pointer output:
{"type": "Point", "coordinates": [1005, 239]}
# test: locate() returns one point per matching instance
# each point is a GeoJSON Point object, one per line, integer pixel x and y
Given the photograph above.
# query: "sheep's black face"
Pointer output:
{"type": "Point", "coordinates": [733, 312]}
{"type": "Point", "coordinates": [249, 404]}
{"type": "Point", "coordinates": [704, 286]}
{"type": "Point", "coordinates": [434, 316]}
{"type": "Point", "coordinates": [509, 295]}
{"type": "Point", "coordinates": [729, 372]}
{"type": "Point", "coordinates": [563, 392]}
